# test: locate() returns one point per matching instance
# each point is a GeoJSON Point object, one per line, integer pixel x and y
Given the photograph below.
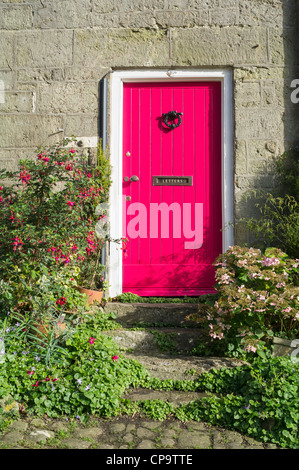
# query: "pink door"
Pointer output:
{"type": "Point", "coordinates": [171, 187]}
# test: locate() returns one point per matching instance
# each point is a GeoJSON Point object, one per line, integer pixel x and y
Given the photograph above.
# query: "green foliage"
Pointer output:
{"type": "Point", "coordinates": [89, 379]}
{"type": "Point", "coordinates": [287, 171]}
{"type": "Point", "coordinates": [156, 409]}
{"type": "Point", "coordinates": [165, 341]}
{"type": "Point", "coordinates": [259, 400]}
{"type": "Point", "coordinates": [129, 297]}
{"type": "Point", "coordinates": [103, 170]}
{"type": "Point", "coordinates": [258, 298]}
{"type": "Point", "coordinates": [278, 222]}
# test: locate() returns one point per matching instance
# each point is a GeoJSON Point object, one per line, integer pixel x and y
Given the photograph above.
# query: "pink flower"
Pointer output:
{"type": "Point", "coordinates": [91, 340]}
{"type": "Point", "coordinates": [114, 358]}
{"type": "Point", "coordinates": [250, 348]}
{"type": "Point", "coordinates": [35, 385]}
{"type": "Point", "coordinates": [17, 242]}
{"type": "Point", "coordinates": [30, 372]}
{"type": "Point", "coordinates": [70, 203]}
{"type": "Point", "coordinates": [72, 151]}
{"type": "Point", "coordinates": [25, 177]}
{"type": "Point", "coordinates": [61, 301]}
{"type": "Point", "coordinates": [270, 261]}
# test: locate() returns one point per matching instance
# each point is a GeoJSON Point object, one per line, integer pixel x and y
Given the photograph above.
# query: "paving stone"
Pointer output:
{"type": "Point", "coordinates": [19, 426]}
{"type": "Point", "coordinates": [145, 433]}
{"type": "Point", "coordinates": [108, 446]}
{"type": "Point", "coordinates": [234, 439]}
{"type": "Point", "coordinates": [41, 435]}
{"type": "Point", "coordinates": [75, 443]}
{"type": "Point", "coordinates": [167, 443]}
{"type": "Point", "coordinates": [118, 427]}
{"type": "Point", "coordinates": [252, 442]}
{"type": "Point", "coordinates": [38, 422]}
{"type": "Point", "coordinates": [88, 433]}
{"type": "Point", "coordinates": [59, 426]}
{"type": "Point", "coordinates": [146, 444]}
{"type": "Point", "coordinates": [151, 424]}
{"type": "Point", "coordinates": [219, 440]}
{"type": "Point", "coordinates": [194, 440]}
{"type": "Point", "coordinates": [169, 433]}
{"type": "Point", "coordinates": [128, 437]}
{"type": "Point", "coordinates": [130, 427]}
{"type": "Point", "coordinates": [12, 437]}
{"type": "Point", "coordinates": [198, 426]}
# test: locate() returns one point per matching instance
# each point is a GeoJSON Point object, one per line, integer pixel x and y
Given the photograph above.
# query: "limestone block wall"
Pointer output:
{"type": "Point", "coordinates": [53, 54]}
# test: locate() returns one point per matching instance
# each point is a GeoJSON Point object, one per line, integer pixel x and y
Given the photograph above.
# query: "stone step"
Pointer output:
{"type": "Point", "coordinates": [173, 341]}
{"type": "Point", "coordinates": [164, 367]}
{"type": "Point", "coordinates": [166, 352]}
{"type": "Point", "coordinates": [168, 314]}
{"type": "Point", "coordinates": [175, 397]}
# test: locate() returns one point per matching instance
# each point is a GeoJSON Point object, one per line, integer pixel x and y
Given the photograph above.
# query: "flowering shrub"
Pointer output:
{"type": "Point", "coordinates": [258, 298]}
{"type": "Point", "coordinates": [47, 219]}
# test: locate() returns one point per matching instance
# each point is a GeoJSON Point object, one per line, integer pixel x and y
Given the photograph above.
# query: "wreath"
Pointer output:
{"type": "Point", "coordinates": [170, 117]}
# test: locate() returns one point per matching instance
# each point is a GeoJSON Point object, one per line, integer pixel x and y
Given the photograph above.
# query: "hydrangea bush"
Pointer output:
{"type": "Point", "coordinates": [258, 298]}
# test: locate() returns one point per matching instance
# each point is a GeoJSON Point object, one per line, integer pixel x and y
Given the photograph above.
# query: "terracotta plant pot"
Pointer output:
{"type": "Point", "coordinates": [92, 295]}
{"type": "Point", "coordinates": [44, 329]}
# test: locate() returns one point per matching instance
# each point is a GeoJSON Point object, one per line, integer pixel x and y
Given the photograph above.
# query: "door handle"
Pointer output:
{"type": "Point", "coordinates": [134, 178]}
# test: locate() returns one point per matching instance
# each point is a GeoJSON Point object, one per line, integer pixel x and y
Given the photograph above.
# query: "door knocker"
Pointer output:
{"type": "Point", "coordinates": [170, 117]}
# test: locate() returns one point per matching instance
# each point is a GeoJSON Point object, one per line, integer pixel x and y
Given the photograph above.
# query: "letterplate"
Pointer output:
{"type": "Point", "coordinates": [172, 181]}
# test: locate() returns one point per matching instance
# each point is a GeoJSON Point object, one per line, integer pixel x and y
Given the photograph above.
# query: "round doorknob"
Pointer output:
{"type": "Point", "coordinates": [134, 178]}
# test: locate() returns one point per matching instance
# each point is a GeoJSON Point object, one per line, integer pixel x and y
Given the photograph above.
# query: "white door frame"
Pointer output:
{"type": "Point", "coordinates": [118, 78]}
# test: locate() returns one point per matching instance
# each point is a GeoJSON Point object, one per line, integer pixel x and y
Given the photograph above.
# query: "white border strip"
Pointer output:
{"type": "Point", "coordinates": [116, 121]}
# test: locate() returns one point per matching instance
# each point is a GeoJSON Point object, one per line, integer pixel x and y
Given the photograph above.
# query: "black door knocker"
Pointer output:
{"type": "Point", "coordinates": [170, 118]}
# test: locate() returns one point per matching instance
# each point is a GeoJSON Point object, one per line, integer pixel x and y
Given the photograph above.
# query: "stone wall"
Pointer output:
{"type": "Point", "coordinates": [54, 53]}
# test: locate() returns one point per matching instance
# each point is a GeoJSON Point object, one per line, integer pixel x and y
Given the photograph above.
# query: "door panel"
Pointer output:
{"type": "Point", "coordinates": [161, 257]}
